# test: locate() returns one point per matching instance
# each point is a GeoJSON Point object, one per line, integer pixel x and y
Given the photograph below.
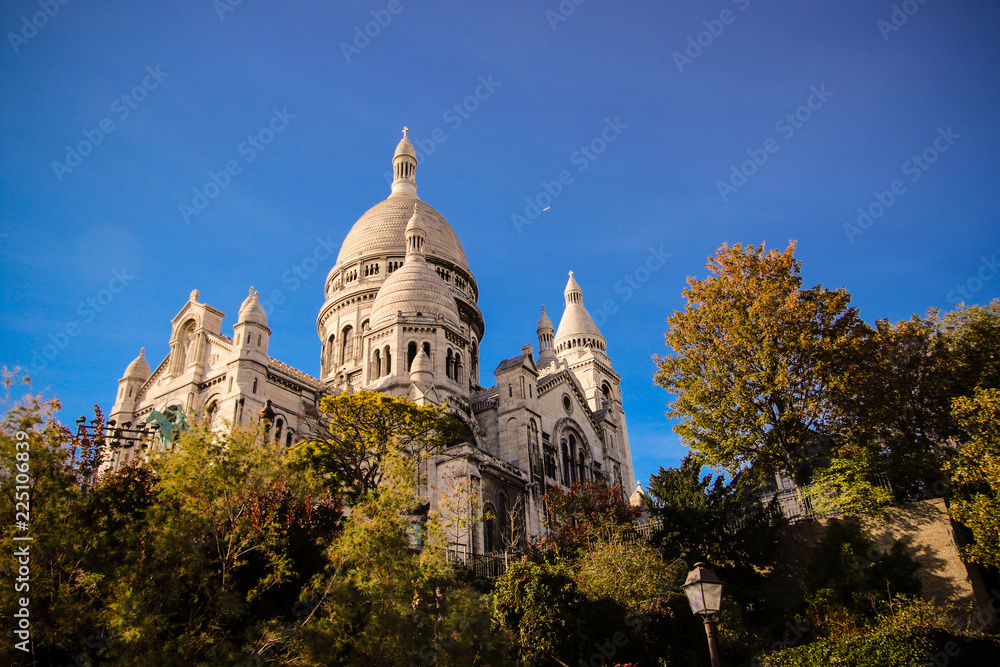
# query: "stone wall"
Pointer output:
{"type": "Point", "coordinates": [926, 531]}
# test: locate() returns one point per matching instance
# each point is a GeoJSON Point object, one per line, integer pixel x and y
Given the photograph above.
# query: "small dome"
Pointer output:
{"type": "Point", "coordinates": [404, 148]}
{"type": "Point", "coordinates": [635, 500]}
{"type": "Point", "coordinates": [414, 288]}
{"type": "Point", "coordinates": [544, 323]}
{"type": "Point", "coordinates": [139, 368]}
{"type": "Point", "coordinates": [422, 364]}
{"type": "Point", "coordinates": [576, 323]}
{"type": "Point", "coordinates": [251, 310]}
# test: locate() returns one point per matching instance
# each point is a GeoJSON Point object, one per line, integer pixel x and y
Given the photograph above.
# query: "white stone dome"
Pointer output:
{"type": "Point", "coordinates": [380, 231]}
{"type": "Point", "coordinates": [414, 288]}
{"type": "Point", "coordinates": [577, 328]}
{"type": "Point", "coordinates": [139, 368]}
{"type": "Point", "coordinates": [251, 310]}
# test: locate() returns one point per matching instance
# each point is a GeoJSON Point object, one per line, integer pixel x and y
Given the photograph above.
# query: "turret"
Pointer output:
{"type": "Point", "coordinates": [404, 167]}
{"type": "Point", "coordinates": [128, 387]}
{"type": "Point", "coordinates": [577, 328]}
{"type": "Point", "coordinates": [546, 335]}
{"type": "Point", "coordinates": [251, 333]}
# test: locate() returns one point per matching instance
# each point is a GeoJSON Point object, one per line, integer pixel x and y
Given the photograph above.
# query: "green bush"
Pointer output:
{"type": "Point", "coordinates": [893, 648]}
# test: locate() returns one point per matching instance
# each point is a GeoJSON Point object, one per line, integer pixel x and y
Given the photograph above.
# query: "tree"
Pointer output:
{"type": "Point", "coordinates": [755, 359]}
{"type": "Point", "coordinates": [589, 510]}
{"type": "Point", "coordinates": [897, 422]}
{"type": "Point", "coordinates": [362, 429]}
{"type": "Point", "coordinates": [382, 602]}
{"type": "Point", "coordinates": [712, 519]}
{"type": "Point", "coordinates": [894, 414]}
{"type": "Point", "coordinates": [976, 474]}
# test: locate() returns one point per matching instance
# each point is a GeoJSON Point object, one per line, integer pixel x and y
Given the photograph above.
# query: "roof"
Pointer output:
{"type": "Point", "coordinates": [251, 310]}
{"type": "Point", "coordinates": [139, 368]}
{"type": "Point", "coordinates": [296, 374]}
{"type": "Point", "coordinates": [514, 362]}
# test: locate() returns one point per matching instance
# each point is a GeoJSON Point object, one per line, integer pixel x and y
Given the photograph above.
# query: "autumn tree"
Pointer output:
{"type": "Point", "coordinates": [360, 430]}
{"type": "Point", "coordinates": [382, 602]}
{"type": "Point", "coordinates": [976, 473]}
{"type": "Point", "coordinates": [755, 359]}
{"type": "Point", "coordinates": [587, 511]}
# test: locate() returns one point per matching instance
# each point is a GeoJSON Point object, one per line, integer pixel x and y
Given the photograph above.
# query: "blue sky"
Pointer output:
{"type": "Point", "coordinates": [877, 93]}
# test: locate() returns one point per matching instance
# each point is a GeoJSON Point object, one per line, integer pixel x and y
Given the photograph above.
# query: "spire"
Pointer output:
{"type": "Point", "coordinates": [546, 333]}
{"type": "Point", "coordinates": [415, 236]}
{"type": "Point", "coordinates": [404, 167]}
{"type": "Point", "coordinates": [577, 328]}
{"type": "Point", "coordinates": [573, 292]}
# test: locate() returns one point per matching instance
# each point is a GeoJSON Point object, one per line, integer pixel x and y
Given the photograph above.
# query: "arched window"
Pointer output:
{"type": "Point", "coordinates": [474, 362]}
{"type": "Point", "coordinates": [458, 368]}
{"type": "Point", "coordinates": [567, 465]}
{"type": "Point", "coordinates": [606, 390]}
{"type": "Point", "coordinates": [411, 354]}
{"type": "Point", "coordinates": [288, 438]}
{"type": "Point", "coordinates": [347, 345]}
{"type": "Point", "coordinates": [377, 365]}
{"type": "Point", "coordinates": [212, 413]}
{"type": "Point", "coordinates": [388, 361]}
{"type": "Point", "coordinates": [330, 347]}
{"type": "Point", "coordinates": [502, 518]}
{"type": "Point", "coordinates": [279, 424]}
{"type": "Point", "coordinates": [582, 466]}
{"type": "Point", "coordinates": [510, 390]}
{"type": "Point", "coordinates": [427, 351]}
{"type": "Point", "coordinates": [447, 364]}
{"type": "Point", "coordinates": [489, 527]}
{"type": "Point", "coordinates": [185, 346]}
{"type": "Point", "coordinates": [255, 385]}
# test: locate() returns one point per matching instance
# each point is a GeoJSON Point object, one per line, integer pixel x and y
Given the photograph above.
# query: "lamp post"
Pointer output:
{"type": "Point", "coordinates": [704, 594]}
{"type": "Point", "coordinates": [266, 417]}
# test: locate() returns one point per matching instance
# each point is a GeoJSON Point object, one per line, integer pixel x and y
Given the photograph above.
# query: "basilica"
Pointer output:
{"type": "Point", "coordinates": [400, 316]}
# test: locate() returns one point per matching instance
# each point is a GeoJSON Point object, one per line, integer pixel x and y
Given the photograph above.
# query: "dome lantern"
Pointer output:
{"type": "Point", "coordinates": [404, 167]}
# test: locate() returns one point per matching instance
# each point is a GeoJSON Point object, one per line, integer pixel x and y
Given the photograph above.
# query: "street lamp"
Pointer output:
{"type": "Point", "coordinates": [704, 594]}
{"type": "Point", "coordinates": [266, 417]}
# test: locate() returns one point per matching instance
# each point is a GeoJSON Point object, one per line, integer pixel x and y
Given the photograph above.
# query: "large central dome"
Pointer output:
{"type": "Point", "coordinates": [380, 231]}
